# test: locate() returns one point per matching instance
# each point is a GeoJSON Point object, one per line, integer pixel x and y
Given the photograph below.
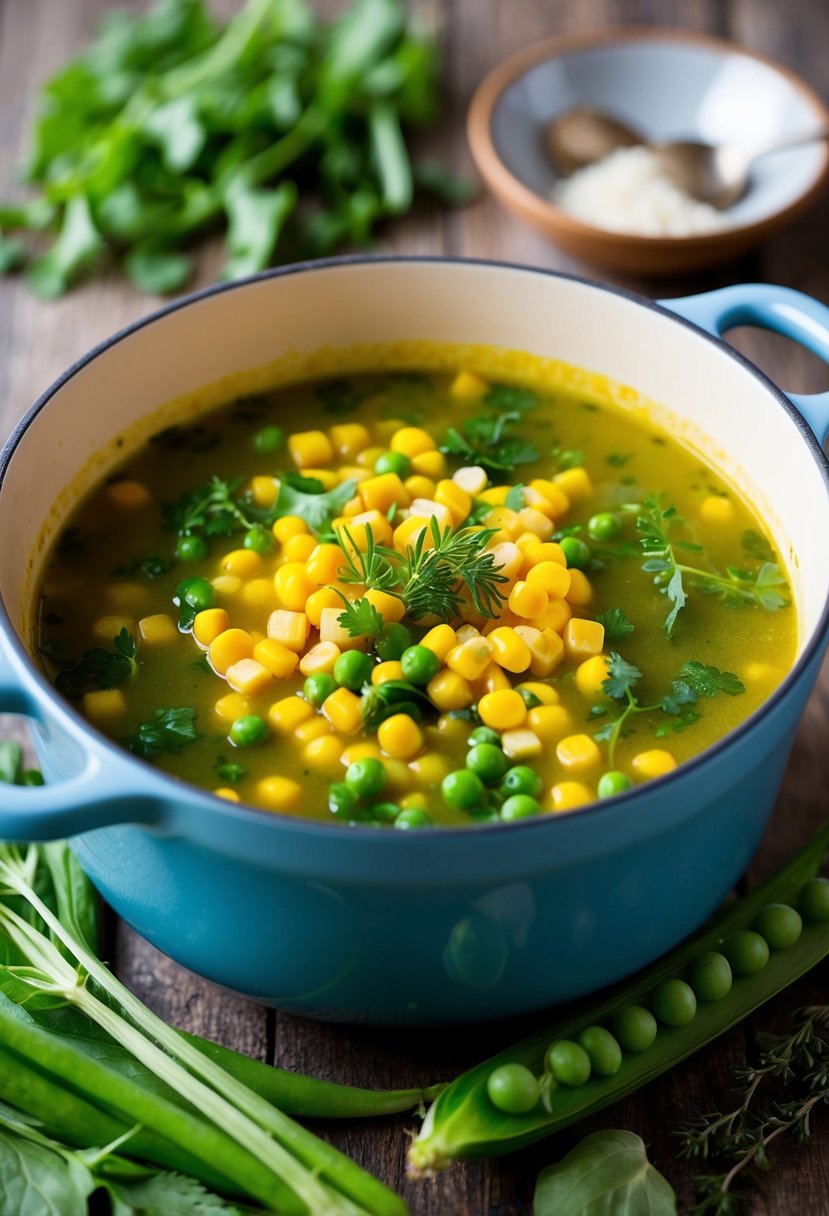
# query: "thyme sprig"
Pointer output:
{"type": "Point", "coordinates": [739, 1139]}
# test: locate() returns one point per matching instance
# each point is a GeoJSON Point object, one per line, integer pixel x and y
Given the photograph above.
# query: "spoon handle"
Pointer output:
{"type": "Point", "coordinates": [792, 141]}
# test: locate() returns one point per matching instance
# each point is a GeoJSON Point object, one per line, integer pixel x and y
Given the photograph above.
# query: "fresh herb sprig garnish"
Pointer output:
{"type": "Point", "coordinates": [678, 707]}
{"type": "Point", "coordinates": [487, 441]}
{"type": "Point", "coordinates": [98, 668]}
{"type": "Point", "coordinates": [381, 701]}
{"type": "Point", "coordinates": [655, 525]}
{"type": "Point", "coordinates": [169, 730]}
{"type": "Point", "coordinates": [360, 618]}
{"type": "Point", "coordinates": [616, 624]}
{"type": "Point", "coordinates": [217, 508]}
{"type": "Point", "coordinates": [150, 566]}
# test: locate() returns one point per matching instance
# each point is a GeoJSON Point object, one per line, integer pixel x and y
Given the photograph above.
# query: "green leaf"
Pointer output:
{"type": "Point", "coordinates": [430, 177]}
{"type": "Point", "coordinates": [485, 441]}
{"type": "Point", "coordinates": [156, 270]}
{"type": "Point", "coordinates": [381, 701]}
{"type": "Point", "coordinates": [78, 246]}
{"type": "Point", "coordinates": [390, 158]}
{"type": "Point", "coordinates": [151, 566]}
{"type": "Point", "coordinates": [621, 677]}
{"type": "Point", "coordinates": [255, 221]}
{"type": "Point", "coordinates": [616, 624]}
{"type": "Point", "coordinates": [361, 619]}
{"type": "Point", "coordinates": [606, 1174]}
{"type": "Point", "coordinates": [756, 545]}
{"type": "Point", "coordinates": [316, 509]}
{"type": "Point", "coordinates": [510, 397]}
{"type": "Point", "coordinates": [11, 762]}
{"type": "Point", "coordinates": [168, 731]}
{"type": "Point", "coordinates": [708, 681]}
{"type": "Point", "coordinates": [229, 771]}
{"type": "Point", "coordinates": [13, 254]}
{"type": "Point", "coordinates": [33, 1179]}
{"type": "Point", "coordinates": [515, 498]}
{"type": "Point", "coordinates": [99, 668]}
{"type": "Point", "coordinates": [166, 1194]}
{"type": "Point", "coordinates": [178, 131]}
{"type": "Point", "coordinates": [617, 460]}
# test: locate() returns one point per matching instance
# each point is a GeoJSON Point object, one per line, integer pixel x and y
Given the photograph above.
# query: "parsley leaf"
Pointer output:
{"type": "Point", "coordinates": [708, 681]}
{"type": "Point", "coordinates": [228, 770]}
{"type": "Point", "coordinates": [151, 566]}
{"type": "Point", "coordinates": [361, 619]}
{"type": "Point", "coordinates": [316, 509]}
{"type": "Point", "coordinates": [210, 509]}
{"type": "Point", "coordinates": [485, 441]}
{"type": "Point", "coordinates": [756, 545]}
{"type": "Point", "coordinates": [616, 624]}
{"type": "Point", "coordinates": [99, 668]}
{"type": "Point", "coordinates": [621, 677]}
{"type": "Point", "coordinates": [168, 731]}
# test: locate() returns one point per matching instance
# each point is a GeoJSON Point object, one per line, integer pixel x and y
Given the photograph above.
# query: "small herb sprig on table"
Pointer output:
{"type": "Point", "coordinates": [738, 1141]}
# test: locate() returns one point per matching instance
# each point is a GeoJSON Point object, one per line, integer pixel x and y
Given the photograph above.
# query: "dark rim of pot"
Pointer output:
{"type": "Point", "coordinates": [544, 822]}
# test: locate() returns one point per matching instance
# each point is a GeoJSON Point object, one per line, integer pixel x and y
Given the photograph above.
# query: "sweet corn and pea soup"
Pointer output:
{"type": "Point", "coordinates": [371, 616]}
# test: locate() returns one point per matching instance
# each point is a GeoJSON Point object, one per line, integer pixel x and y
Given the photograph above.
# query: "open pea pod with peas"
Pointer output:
{"type": "Point", "coordinates": [606, 1048]}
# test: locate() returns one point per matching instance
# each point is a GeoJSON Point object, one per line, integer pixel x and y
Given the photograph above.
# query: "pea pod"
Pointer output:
{"type": "Point", "coordinates": [464, 1122]}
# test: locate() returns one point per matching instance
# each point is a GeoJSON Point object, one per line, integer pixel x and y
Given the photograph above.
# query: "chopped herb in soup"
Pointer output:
{"type": "Point", "coordinates": [409, 599]}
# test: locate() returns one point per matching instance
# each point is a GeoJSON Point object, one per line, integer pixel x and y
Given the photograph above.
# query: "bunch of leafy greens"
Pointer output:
{"type": "Point", "coordinates": [288, 131]}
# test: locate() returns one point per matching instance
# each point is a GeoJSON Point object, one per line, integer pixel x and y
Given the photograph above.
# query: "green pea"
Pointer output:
{"type": "Point", "coordinates": [814, 899]}
{"type": "Point", "coordinates": [366, 778]}
{"type": "Point", "coordinates": [419, 664]}
{"type": "Point", "coordinates": [318, 687]}
{"type": "Point", "coordinates": [393, 462]}
{"type": "Point", "coordinates": [269, 439]}
{"type": "Point", "coordinates": [487, 761]}
{"type": "Point", "coordinates": [192, 549]}
{"type": "Point", "coordinates": [604, 1052]}
{"type": "Point", "coordinates": [260, 541]}
{"type": "Point", "coordinates": [197, 593]}
{"type": "Point", "coordinates": [341, 800]}
{"type": "Point", "coordinates": [463, 789]}
{"type": "Point", "coordinates": [674, 1003]}
{"type": "Point", "coordinates": [779, 924]}
{"type": "Point", "coordinates": [746, 951]}
{"type": "Point", "coordinates": [604, 526]}
{"type": "Point", "coordinates": [248, 731]}
{"type": "Point", "coordinates": [384, 812]}
{"type": "Point", "coordinates": [612, 783]}
{"type": "Point", "coordinates": [391, 643]}
{"type": "Point", "coordinates": [513, 1089]}
{"type": "Point", "coordinates": [710, 976]}
{"type": "Point", "coordinates": [634, 1027]}
{"type": "Point", "coordinates": [352, 670]}
{"type": "Point", "coordinates": [412, 817]}
{"type": "Point", "coordinates": [521, 779]}
{"type": "Point", "coordinates": [484, 734]}
{"type": "Point", "coordinates": [576, 552]}
{"type": "Point", "coordinates": [568, 1062]}
{"type": "Point", "coordinates": [519, 806]}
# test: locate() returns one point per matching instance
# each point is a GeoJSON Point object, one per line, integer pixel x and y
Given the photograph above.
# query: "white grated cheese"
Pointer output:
{"type": "Point", "coordinates": [629, 191]}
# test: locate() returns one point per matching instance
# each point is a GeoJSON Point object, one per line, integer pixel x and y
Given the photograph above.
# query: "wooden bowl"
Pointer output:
{"type": "Point", "coordinates": [673, 84]}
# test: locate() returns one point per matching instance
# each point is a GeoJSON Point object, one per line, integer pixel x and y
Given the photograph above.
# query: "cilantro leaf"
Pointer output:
{"type": "Point", "coordinates": [708, 681]}
{"type": "Point", "coordinates": [157, 270]}
{"type": "Point", "coordinates": [316, 509]}
{"type": "Point", "coordinates": [210, 509]}
{"type": "Point", "coordinates": [361, 619]}
{"type": "Point", "coordinates": [169, 730]}
{"type": "Point", "coordinates": [99, 668]}
{"type": "Point", "coordinates": [486, 441]}
{"type": "Point", "coordinates": [616, 624]}
{"type": "Point", "coordinates": [255, 220]}
{"type": "Point", "coordinates": [756, 545]}
{"type": "Point", "coordinates": [229, 771]}
{"type": "Point", "coordinates": [621, 677]}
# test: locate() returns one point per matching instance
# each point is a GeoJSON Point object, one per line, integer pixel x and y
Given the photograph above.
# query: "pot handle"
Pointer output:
{"type": "Point", "coordinates": [780, 309]}
{"type": "Point", "coordinates": [102, 789]}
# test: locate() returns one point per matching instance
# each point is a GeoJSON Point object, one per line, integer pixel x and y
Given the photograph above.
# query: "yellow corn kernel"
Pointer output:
{"type": "Point", "coordinates": [429, 464]}
{"type": "Point", "coordinates": [471, 478]}
{"type": "Point", "coordinates": [469, 613]}
{"type": "Point", "coordinates": [466, 632]}
{"type": "Point", "coordinates": [314, 728]}
{"type": "Point", "coordinates": [381, 492]}
{"type": "Point", "coordinates": [384, 428]}
{"type": "Point", "coordinates": [244, 563]}
{"type": "Point", "coordinates": [289, 627]}
{"type": "Point", "coordinates": [264, 491]}
{"type": "Point", "coordinates": [505, 519]}
{"type": "Point", "coordinates": [440, 641]}
{"type": "Point", "coordinates": [390, 607]}
{"type": "Point", "coordinates": [549, 722]}
{"type": "Point", "coordinates": [232, 706]}
{"type": "Point", "coordinates": [545, 551]}
{"type": "Point", "coordinates": [551, 576]}
{"type": "Point", "coordinates": [158, 630]}
{"type": "Point", "coordinates": [655, 763]}
{"type": "Point", "coordinates": [555, 616]}
{"type": "Point", "coordinates": [228, 648]}
{"type": "Point", "coordinates": [321, 657]}
{"type": "Point", "coordinates": [278, 659]}
{"type": "Point", "coordinates": [507, 559]}
{"type": "Point", "coordinates": [411, 441]}
{"type": "Point", "coordinates": [468, 386]}
{"type": "Point", "coordinates": [286, 715]}
{"type": "Point", "coordinates": [430, 768]}
{"type": "Point", "coordinates": [522, 744]}
{"type": "Point", "coordinates": [578, 753]}
{"type": "Point", "coordinates": [583, 639]}
{"type": "Point", "coordinates": [493, 680]}
{"type": "Point", "coordinates": [350, 472]}
{"type": "Point", "coordinates": [365, 750]}
{"type": "Point", "coordinates": [227, 793]}
{"type": "Point", "coordinates": [398, 777]}
{"type": "Point", "coordinates": [248, 677]}
{"type": "Point", "coordinates": [471, 658]}
{"type": "Point", "coordinates": [532, 520]}
{"type": "Point", "coordinates": [288, 526]}
{"type": "Point", "coordinates": [323, 563]}
{"type": "Point", "coordinates": [428, 508]}
{"type": "Point", "coordinates": [413, 800]}
{"type": "Point", "coordinates": [546, 652]}
{"type": "Point", "coordinates": [318, 600]}
{"type": "Point", "coordinates": [503, 710]}
{"type": "Point", "coordinates": [716, 509]}
{"type": "Point", "coordinates": [324, 754]}
{"type": "Point", "coordinates": [259, 594]}
{"type": "Point", "coordinates": [390, 670]}
{"type": "Point", "coordinates": [575, 483]}
{"type": "Point", "coordinates": [299, 548]}
{"type": "Point", "coordinates": [557, 500]}
{"type": "Point", "coordinates": [368, 458]}
{"type": "Point", "coordinates": [349, 439]}
{"type": "Point", "coordinates": [310, 448]}
{"type": "Point", "coordinates": [332, 631]}
{"type": "Point", "coordinates": [126, 597]}
{"type": "Point", "coordinates": [108, 627]}
{"type": "Point", "coordinates": [227, 584]}
{"type": "Point", "coordinates": [342, 709]}
{"type": "Point", "coordinates": [451, 495]}
{"type": "Point", "coordinates": [278, 793]}
{"type": "Point", "coordinates": [406, 534]}
{"type": "Point", "coordinates": [104, 706]}
{"type": "Point", "coordinates": [447, 690]}
{"type": "Point", "coordinates": [591, 675]}
{"type": "Point", "coordinates": [509, 650]}
{"type": "Point", "coordinates": [399, 736]}
{"type": "Point", "coordinates": [581, 590]}
{"type": "Point", "coordinates": [419, 486]}
{"type": "Point", "coordinates": [497, 495]}
{"type": "Point", "coordinates": [129, 495]}
{"type": "Point", "coordinates": [528, 600]}
{"type": "Point", "coordinates": [353, 532]}
{"type": "Point", "coordinates": [293, 586]}
{"type": "Point", "coordinates": [567, 795]}
{"type": "Point", "coordinates": [538, 502]}
{"type": "Point", "coordinates": [544, 692]}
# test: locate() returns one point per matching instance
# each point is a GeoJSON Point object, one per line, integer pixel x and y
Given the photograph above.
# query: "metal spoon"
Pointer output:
{"type": "Point", "coordinates": [712, 173]}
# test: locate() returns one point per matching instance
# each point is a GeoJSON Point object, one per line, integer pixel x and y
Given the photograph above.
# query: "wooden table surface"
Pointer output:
{"type": "Point", "coordinates": [38, 340]}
